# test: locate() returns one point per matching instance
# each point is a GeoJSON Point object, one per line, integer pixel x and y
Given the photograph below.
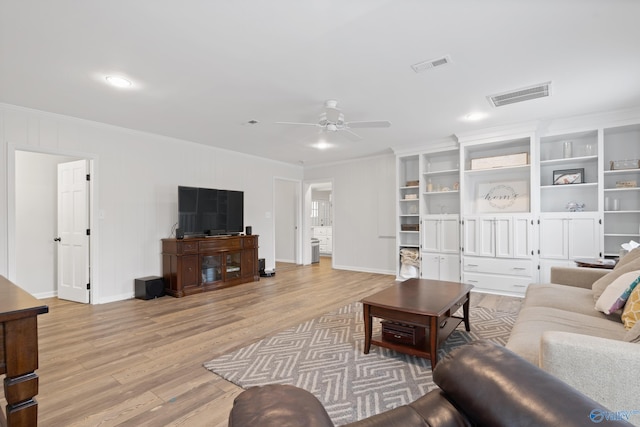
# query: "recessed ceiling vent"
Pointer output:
{"type": "Point", "coordinates": [432, 63]}
{"type": "Point", "coordinates": [520, 95]}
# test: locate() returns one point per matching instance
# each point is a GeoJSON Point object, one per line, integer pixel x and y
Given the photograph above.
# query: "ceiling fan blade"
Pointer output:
{"type": "Point", "coordinates": [370, 124]}
{"type": "Point", "coordinates": [298, 124]}
{"type": "Point", "coordinates": [350, 135]}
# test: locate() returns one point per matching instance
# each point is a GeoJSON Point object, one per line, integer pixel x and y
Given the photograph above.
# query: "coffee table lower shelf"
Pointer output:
{"type": "Point", "coordinates": [421, 348]}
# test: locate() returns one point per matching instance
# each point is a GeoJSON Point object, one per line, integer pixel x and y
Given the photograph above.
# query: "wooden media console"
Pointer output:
{"type": "Point", "coordinates": [200, 264]}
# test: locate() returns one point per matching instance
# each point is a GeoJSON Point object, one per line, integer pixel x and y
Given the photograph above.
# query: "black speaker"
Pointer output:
{"type": "Point", "coordinates": [179, 233]}
{"type": "Point", "coordinates": [248, 230]}
{"type": "Point", "coordinates": [149, 287]}
{"type": "Point", "coordinates": [261, 266]}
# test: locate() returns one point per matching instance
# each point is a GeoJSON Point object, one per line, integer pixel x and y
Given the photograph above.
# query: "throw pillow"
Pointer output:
{"type": "Point", "coordinates": [631, 314]}
{"type": "Point", "coordinates": [622, 299]}
{"type": "Point", "coordinates": [626, 259]}
{"type": "Point", "coordinates": [633, 334]}
{"type": "Point", "coordinates": [619, 289]}
{"type": "Point", "coordinates": [601, 284]}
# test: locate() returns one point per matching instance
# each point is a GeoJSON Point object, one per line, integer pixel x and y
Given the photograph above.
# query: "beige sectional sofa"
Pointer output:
{"type": "Point", "coordinates": [560, 330]}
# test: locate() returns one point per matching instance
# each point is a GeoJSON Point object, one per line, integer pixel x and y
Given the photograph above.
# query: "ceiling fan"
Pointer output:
{"type": "Point", "coordinates": [332, 120]}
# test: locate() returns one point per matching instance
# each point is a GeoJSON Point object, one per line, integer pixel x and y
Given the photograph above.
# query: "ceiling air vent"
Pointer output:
{"type": "Point", "coordinates": [519, 95]}
{"type": "Point", "coordinates": [432, 63]}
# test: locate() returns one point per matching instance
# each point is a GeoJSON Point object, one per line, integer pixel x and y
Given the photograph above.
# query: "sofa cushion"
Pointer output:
{"type": "Point", "coordinates": [533, 321]}
{"type": "Point", "coordinates": [631, 313]}
{"type": "Point", "coordinates": [601, 284]}
{"type": "Point", "coordinates": [615, 295]}
{"type": "Point", "coordinates": [631, 256]}
{"type": "Point", "coordinates": [562, 297]}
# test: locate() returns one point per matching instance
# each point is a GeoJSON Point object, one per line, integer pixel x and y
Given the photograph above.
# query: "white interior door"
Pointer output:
{"type": "Point", "coordinates": [73, 239]}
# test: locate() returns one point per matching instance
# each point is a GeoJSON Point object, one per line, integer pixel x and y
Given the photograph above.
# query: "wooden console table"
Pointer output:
{"type": "Point", "coordinates": [199, 264]}
{"type": "Point", "coordinates": [19, 353]}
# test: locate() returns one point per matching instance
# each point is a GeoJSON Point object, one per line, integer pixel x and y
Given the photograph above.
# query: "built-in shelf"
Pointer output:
{"type": "Point", "coordinates": [433, 193]}
{"type": "Point", "coordinates": [569, 160]}
{"type": "Point", "coordinates": [505, 169]}
{"type": "Point", "coordinates": [621, 171]}
{"type": "Point", "coordinates": [442, 172]}
{"type": "Point", "coordinates": [621, 212]}
{"type": "Point", "coordinates": [569, 186]}
{"type": "Point", "coordinates": [615, 190]}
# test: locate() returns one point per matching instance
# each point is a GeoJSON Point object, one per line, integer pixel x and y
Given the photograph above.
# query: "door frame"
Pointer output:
{"type": "Point", "coordinates": [308, 186]}
{"type": "Point", "coordinates": [92, 162]}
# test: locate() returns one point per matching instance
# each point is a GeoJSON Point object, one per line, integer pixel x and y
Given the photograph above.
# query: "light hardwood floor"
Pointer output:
{"type": "Point", "coordinates": [139, 363]}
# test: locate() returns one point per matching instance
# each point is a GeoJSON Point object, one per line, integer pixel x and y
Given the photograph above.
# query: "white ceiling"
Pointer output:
{"type": "Point", "coordinates": [203, 68]}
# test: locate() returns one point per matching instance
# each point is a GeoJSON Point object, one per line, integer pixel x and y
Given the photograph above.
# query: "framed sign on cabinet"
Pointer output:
{"type": "Point", "coordinates": [509, 196]}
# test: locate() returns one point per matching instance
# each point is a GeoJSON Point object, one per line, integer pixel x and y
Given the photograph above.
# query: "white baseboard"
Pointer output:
{"type": "Point", "coordinates": [364, 270]}
{"type": "Point", "coordinates": [43, 295]}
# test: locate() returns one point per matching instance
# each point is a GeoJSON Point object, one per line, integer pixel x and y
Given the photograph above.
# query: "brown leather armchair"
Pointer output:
{"type": "Point", "coordinates": [480, 384]}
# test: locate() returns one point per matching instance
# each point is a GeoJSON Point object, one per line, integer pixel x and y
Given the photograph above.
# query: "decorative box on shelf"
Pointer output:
{"type": "Point", "coordinates": [413, 183]}
{"type": "Point", "coordinates": [509, 160]}
{"type": "Point", "coordinates": [624, 164]}
{"type": "Point", "coordinates": [626, 184]}
{"type": "Point", "coordinates": [410, 227]}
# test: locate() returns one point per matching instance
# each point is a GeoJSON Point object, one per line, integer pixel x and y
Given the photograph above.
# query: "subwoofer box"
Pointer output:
{"type": "Point", "coordinates": [149, 287]}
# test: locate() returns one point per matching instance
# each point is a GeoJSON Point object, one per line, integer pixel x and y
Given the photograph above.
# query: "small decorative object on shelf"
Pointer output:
{"type": "Point", "coordinates": [410, 227]}
{"type": "Point", "coordinates": [575, 207]}
{"type": "Point", "coordinates": [429, 186]}
{"type": "Point", "coordinates": [624, 164]}
{"type": "Point", "coordinates": [567, 149]}
{"type": "Point", "coordinates": [412, 183]}
{"type": "Point", "coordinates": [411, 197]}
{"type": "Point", "coordinates": [456, 186]}
{"type": "Point", "coordinates": [568, 176]}
{"type": "Point", "coordinates": [626, 184]}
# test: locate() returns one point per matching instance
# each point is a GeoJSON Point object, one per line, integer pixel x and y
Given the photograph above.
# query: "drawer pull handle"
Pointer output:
{"type": "Point", "coordinates": [519, 268]}
{"type": "Point", "coordinates": [397, 336]}
{"type": "Point", "coordinates": [442, 324]}
{"type": "Point", "coordinates": [472, 265]}
{"type": "Point", "coordinates": [519, 286]}
{"type": "Point", "coordinates": [473, 281]}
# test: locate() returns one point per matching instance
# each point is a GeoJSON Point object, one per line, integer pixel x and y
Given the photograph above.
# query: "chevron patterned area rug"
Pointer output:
{"type": "Point", "coordinates": [324, 356]}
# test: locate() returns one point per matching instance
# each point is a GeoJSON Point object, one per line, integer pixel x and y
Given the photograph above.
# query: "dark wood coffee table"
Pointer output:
{"type": "Point", "coordinates": [419, 303]}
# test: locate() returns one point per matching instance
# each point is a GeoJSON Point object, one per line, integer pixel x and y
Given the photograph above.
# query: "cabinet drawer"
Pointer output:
{"type": "Point", "coordinates": [220, 243]}
{"type": "Point", "coordinates": [515, 267]}
{"type": "Point", "coordinates": [188, 247]}
{"type": "Point", "coordinates": [402, 334]}
{"type": "Point", "coordinates": [320, 231]}
{"type": "Point", "coordinates": [490, 282]}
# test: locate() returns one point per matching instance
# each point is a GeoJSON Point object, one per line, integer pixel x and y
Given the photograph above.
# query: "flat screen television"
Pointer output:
{"type": "Point", "coordinates": [210, 212]}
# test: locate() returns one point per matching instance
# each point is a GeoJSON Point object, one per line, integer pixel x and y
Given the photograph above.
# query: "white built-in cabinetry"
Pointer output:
{"type": "Point", "coordinates": [566, 235]}
{"type": "Point", "coordinates": [498, 245]}
{"type": "Point", "coordinates": [621, 222]}
{"type": "Point", "coordinates": [505, 227]}
{"type": "Point", "coordinates": [440, 249]}
{"type": "Point", "coordinates": [324, 234]}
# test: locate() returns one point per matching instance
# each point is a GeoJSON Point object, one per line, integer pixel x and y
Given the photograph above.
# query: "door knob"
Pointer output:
{"type": "Point", "coordinates": [57, 239]}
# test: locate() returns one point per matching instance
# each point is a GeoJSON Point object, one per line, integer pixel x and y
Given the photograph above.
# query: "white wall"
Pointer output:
{"type": "Point", "coordinates": [363, 212]}
{"type": "Point", "coordinates": [135, 185]}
